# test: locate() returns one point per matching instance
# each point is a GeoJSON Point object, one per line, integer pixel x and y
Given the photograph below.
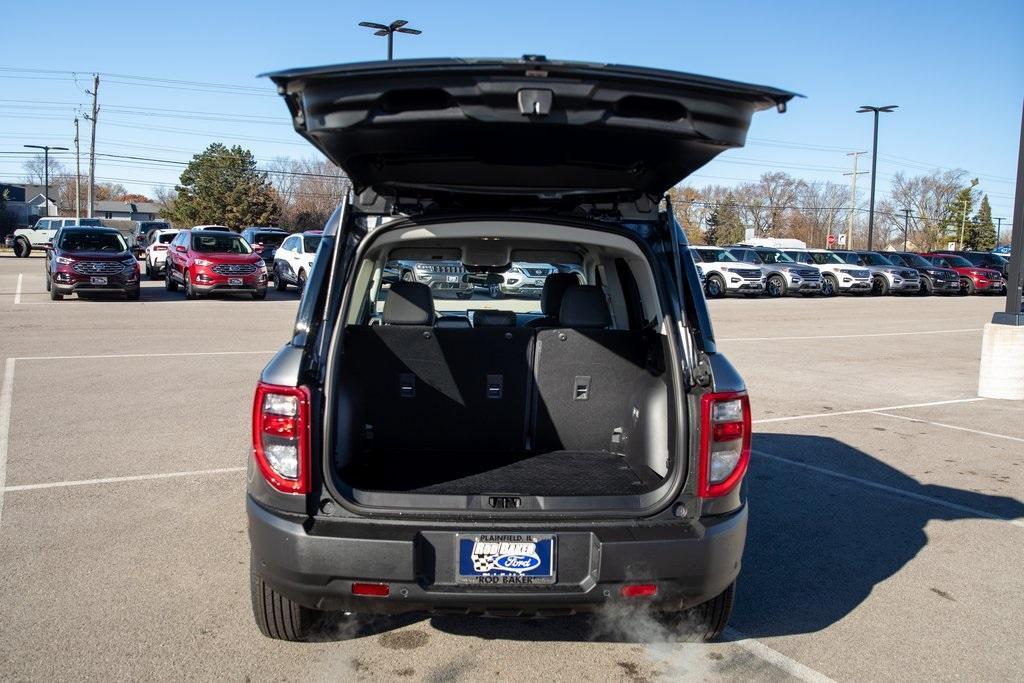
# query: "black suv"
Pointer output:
{"type": "Point", "coordinates": [501, 462]}
{"type": "Point", "coordinates": [934, 279]}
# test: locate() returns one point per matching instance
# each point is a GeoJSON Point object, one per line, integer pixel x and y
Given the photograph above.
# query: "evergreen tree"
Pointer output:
{"type": "Point", "coordinates": [712, 227]}
{"type": "Point", "coordinates": [730, 226]}
{"type": "Point", "coordinates": [959, 212]}
{"type": "Point", "coordinates": [222, 185]}
{"type": "Point", "coordinates": [983, 236]}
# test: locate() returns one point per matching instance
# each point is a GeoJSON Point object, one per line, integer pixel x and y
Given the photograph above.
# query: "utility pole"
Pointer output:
{"type": "Point", "coordinates": [906, 227]}
{"type": "Point", "coordinates": [78, 177]}
{"type": "Point", "coordinates": [999, 230]}
{"type": "Point", "coordinates": [92, 148]}
{"type": "Point", "coordinates": [853, 198]}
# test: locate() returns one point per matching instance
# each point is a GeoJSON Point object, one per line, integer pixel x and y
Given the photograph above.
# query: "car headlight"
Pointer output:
{"type": "Point", "coordinates": [424, 266]}
{"type": "Point", "coordinates": [261, 264]}
{"type": "Point", "coordinates": [129, 262]}
{"type": "Point", "coordinates": [64, 261]}
{"type": "Point", "coordinates": [516, 269]}
{"type": "Point", "coordinates": [203, 262]}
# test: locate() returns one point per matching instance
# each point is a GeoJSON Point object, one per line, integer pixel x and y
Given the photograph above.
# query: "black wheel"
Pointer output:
{"type": "Point", "coordinates": [776, 286]}
{"type": "Point", "coordinates": [260, 294]}
{"type": "Point", "coordinates": [494, 289]}
{"type": "Point", "coordinates": [407, 276]}
{"type": "Point", "coordinates": [278, 617]}
{"type": "Point", "coordinates": [49, 281]}
{"type": "Point", "coordinates": [301, 281]}
{"type": "Point", "coordinates": [55, 295]}
{"type": "Point", "coordinates": [279, 283]}
{"type": "Point", "coordinates": [706, 621]}
{"type": "Point", "coordinates": [714, 287]}
{"type": "Point", "coordinates": [133, 294]}
{"type": "Point", "coordinates": [879, 286]}
{"type": "Point", "coordinates": [22, 247]}
{"type": "Point", "coordinates": [169, 284]}
{"type": "Point", "coordinates": [829, 285]}
{"type": "Point", "coordinates": [926, 287]}
{"type": "Point", "coordinates": [190, 293]}
{"type": "Point", "coordinates": [967, 287]}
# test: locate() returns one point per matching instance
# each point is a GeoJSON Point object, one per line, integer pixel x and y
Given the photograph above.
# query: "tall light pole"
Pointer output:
{"type": "Point", "coordinates": [46, 171]}
{"type": "Point", "coordinates": [874, 163]}
{"type": "Point", "coordinates": [396, 26]}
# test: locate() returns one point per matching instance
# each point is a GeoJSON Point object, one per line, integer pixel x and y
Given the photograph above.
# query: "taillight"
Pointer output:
{"type": "Point", "coordinates": [724, 442]}
{"type": "Point", "coordinates": [159, 247]}
{"type": "Point", "coordinates": [280, 436]}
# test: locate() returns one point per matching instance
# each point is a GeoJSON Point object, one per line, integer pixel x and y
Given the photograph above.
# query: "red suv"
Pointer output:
{"type": "Point", "coordinates": [973, 279]}
{"type": "Point", "coordinates": [90, 259]}
{"type": "Point", "coordinates": [207, 261]}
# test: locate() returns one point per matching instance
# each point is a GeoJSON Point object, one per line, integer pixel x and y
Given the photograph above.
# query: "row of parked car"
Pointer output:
{"type": "Point", "coordinates": [201, 260]}
{"type": "Point", "coordinates": [756, 270]}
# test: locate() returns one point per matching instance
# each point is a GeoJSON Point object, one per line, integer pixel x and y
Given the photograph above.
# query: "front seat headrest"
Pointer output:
{"type": "Point", "coordinates": [409, 303]}
{"type": "Point", "coordinates": [555, 286]}
{"type": "Point", "coordinates": [486, 317]}
{"type": "Point", "coordinates": [452, 322]}
{"type": "Point", "coordinates": [584, 306]}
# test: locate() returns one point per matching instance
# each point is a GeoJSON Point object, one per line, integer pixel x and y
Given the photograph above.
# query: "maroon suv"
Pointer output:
{"type": "Point", "coordinates": [208, 261]}
{"type": "Point", "coordinates": [91, 259]}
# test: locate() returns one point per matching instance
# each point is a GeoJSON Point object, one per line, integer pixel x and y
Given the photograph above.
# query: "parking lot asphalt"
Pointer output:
{"type": "Point", "coordinates": [887, 513]}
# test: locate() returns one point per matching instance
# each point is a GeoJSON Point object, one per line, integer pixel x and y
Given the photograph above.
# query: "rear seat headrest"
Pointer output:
{"type": "Point", "coordinates": [584, 306]}
{"type": "Point", "coordinates": [457, 322]}
{"type": "Point", "coordinates": [485, 317]}
{"type": "Point", "coordinates": [409, 303]}
{"type": "Point", "coordinates": [555, 286]}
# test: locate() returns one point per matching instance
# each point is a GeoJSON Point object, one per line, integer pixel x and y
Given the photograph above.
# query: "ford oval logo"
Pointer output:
{"type": "Point", "coordinates": [517, 563]}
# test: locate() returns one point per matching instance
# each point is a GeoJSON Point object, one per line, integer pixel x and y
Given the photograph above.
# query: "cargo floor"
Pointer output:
{"type": "Point", "coordinates": [555, 473]}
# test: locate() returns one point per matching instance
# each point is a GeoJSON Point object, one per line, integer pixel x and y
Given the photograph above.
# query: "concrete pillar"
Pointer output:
{"type": "Point", "coordinates": [1002, 362]}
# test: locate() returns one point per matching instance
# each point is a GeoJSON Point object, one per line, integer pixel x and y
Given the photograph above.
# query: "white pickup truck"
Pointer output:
{"type": "Point", "coordinates": [24, 240]}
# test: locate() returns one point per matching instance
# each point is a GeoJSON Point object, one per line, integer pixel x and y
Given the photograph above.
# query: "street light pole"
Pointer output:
{"type": "Point", "coordinates": [874, 163]}
{"type": "Point", "coordinates": [46, 172]}
{"type": "Point", "coordinates": [389, 30]}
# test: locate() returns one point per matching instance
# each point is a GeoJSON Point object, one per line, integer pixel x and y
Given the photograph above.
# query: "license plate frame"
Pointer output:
{"type": "Point", "coordinates": [488, 550]}
{"type": "Point", "coordinates": [98, 280]}
{"type": "Point", "coordinates": [452, 278]}
{"type": "Point", "coordinates": [235, 281]}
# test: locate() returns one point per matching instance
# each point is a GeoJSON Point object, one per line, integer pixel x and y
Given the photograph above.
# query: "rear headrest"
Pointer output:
{"type": "Point", "coordinates": [457, 322]}
{"type": "Point", "coordinates": [487, 318]}
{"type": "Point", "coordinates": [584, 306]}
{"type": "Point", "coordinates": [554, 289]}
{"type": "Point", "coordinates": [409, 303]}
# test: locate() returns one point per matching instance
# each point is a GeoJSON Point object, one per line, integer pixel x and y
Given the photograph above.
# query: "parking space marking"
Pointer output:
{"type": "Point", "coordinates": [866, 410]}
{"type": "Point", "coordinates": [949, 426]}
{"type": "Point", "coordinates": [6, 391]}
{"type": "Point", "coordinates": [854, 336]}
{"type": "Point", "coordinates": [775, 658]}
{"type": "Point", "coordinates": [149, 355]}
{"type": "Point", "coordinates": [891, 489]}
{"type": "Point", "coordinates": [118, 480]}
{"type": "Point", "coordinates": [17, 290]}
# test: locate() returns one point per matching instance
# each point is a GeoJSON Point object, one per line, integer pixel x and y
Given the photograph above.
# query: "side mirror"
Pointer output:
{"type": "Point", "coordinates": [47, 245]}
{"type": "Point", "coordinates": [180, 249]}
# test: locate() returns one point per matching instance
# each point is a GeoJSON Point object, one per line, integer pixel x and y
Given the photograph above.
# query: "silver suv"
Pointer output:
{"type": "Point", "coordinates": [438, 275]}
{"type": "Point", "coordinates": [783, 275]}
{"type": "Point", "coordinates": [521, 279]}
{"type": "Point", "coordinates": [886, 277]}
{"type": "Point", "coordinates": [836, 274]}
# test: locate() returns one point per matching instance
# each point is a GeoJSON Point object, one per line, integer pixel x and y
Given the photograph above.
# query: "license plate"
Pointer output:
{"type": "Point", "coordinates": [453, 278]}
{"type": "Point", "coordinates": [505, 559]}
{"type": "Point", "coordinates": [97, 281]}
{"type": "Point", "coordinates": [234, 281]}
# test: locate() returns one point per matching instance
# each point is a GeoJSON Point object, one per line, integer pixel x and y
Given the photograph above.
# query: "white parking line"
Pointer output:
{"type": "Point", "coordinates": [865, 410]}
{"type": "Point", "coordinates": [775, 658]}
{"type": "Point", "coordinates": [891, 489]}
{"type": "Point", "coordinates": [6, 390]}
{"type": "Point", "coordinates": [852, 336]}
{"type": "Point", "coordinates": [117, 480]}
{"type": "Point", "coordinates": [949, 426]}
{"type": "Point", "coordinates": [148, 355]}
{"type": "Point", "coordinates": [17, 290]}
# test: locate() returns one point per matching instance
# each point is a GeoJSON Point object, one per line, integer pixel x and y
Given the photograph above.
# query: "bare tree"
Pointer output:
{"type": "Point", "coordinates": [35, 169]}
{"type": "Point", "coordinates": [822, 211]}
{"type": "Point", "coordinates": [929, 198]}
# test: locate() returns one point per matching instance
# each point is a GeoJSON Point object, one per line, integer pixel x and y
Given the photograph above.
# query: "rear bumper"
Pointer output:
{"type": "Point", "coordinates": [689, 563]}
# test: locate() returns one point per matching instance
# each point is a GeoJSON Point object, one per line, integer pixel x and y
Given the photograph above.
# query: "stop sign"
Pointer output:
{"type": "Point", "coordinates": [831, 240]}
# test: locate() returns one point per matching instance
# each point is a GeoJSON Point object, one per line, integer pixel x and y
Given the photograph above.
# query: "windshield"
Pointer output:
{"type": "Point", "coordinates": [774, 257]}
{"type": "Point", "coordinates": [92, 241]}
{"type": "Point", "coordinates": [713, 255]}
{"type": "Point", "coordinates": [953, 261]}
{"type": "Point", "coordinates": [269, 239]}
{"type": "Point", "coordinates": [826, 257]}
{"type": "Point", "coordinates": [915, 261]}
{"type": "Point", "coordinates": [875, 259]}
{"type": "Point", "coordinates": [218, 242]}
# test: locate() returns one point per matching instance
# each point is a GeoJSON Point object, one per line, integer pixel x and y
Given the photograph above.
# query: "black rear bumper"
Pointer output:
{"type": "Point", "coordinates": [317, 567]}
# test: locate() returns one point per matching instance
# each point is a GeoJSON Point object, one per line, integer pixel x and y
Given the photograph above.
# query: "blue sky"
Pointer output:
{"type": "Point", "coordinates": [955, 69]}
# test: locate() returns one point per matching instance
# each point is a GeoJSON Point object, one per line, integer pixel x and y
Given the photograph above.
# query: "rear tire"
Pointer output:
{"type": "Point", "coordinates": [22, 248]}
{"type": "Point", "coordinates": [278, 617]}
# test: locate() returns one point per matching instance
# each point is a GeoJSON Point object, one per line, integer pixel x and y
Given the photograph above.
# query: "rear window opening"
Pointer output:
{"type": "Point", "coordinates": [446, 398]}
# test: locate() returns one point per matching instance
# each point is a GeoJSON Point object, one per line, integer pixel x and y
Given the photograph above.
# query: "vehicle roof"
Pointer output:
{"type": "Point", "coordinates": [89, 228]}
{"type": "Point", "coordinates": [264, 229]}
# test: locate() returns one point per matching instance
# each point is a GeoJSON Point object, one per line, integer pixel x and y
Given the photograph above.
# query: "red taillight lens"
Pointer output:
{"type": "Point", "coordinates": [724, 442]}
{"type": "Point", "coordinates": [639, 590]}
{"type": "Point", "coordinates": [280, 436]}
{"type": "Point", "coordinates": [373, 590]}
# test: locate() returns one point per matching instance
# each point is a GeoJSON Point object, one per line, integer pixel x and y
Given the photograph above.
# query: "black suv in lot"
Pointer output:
{"type": "Point", "coordinates": [501, 463]}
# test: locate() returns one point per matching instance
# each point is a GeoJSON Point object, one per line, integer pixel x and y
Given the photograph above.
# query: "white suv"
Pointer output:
{"type": "Point", "coordinates": [836, 274]}
{"type": "Point", "coordinates": [26, 239]}
{"type": "Point", "coordinates": [294, 259]}
{"type": "Point", "coordinates": [156, 251]}
{"type": "Point", "coordinates": [723, 273]}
